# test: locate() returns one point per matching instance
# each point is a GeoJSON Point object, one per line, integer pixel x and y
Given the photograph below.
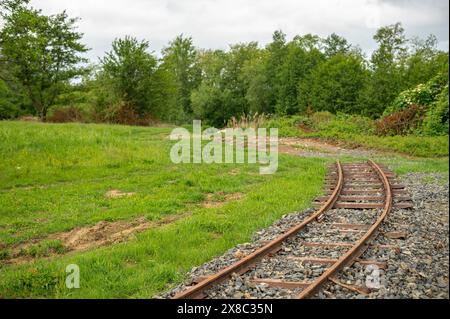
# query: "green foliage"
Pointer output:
{"type": "Point", "coordinates": [255, 77]}
{"type": "Point", "coordinates": [432, 100]}
{"type": "Point", "coordinates": [342, 124]}
{"type": "Point", "coordinates": [180, 61]}
{"type": "Point", "coordinates": [131, 85]}
{"type": "Point", "coordinates": [208, 101]}
{"type": "Point", "coordinates": [385, 82]}
{"type": "Point", "coordinates": [129, 68]}
{"type": "Point", "coordinates": [419, 95]}
{"type": "Point", "coordinates": [424, 62]}
{"type": "Point", "coordinates": [40, 52]}
{"type": "Point", "coordinates": [422, 94]}
{"type": "Point", "coordinates": [9, 104]}
{"type": "Point", "coordinates": [222, 93]}
{"type": "Point", "coordinates": [335, 85]}
{"type": "Point", "coordinates": [436, 120]}
{"type": "Point", "coordinates": [288, 126]}
{"type": "Point", "coordinates": [303, 57]}
{"type": "Point", "coordinates": [335, 44]}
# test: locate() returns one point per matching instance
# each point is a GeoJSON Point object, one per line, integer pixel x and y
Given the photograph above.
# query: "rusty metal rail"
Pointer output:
{"type": "Point", "coordinates": [361, 245]}
{"type": "Point", "coordinates": [247, 262]}
{"type": "Point", "coordinates": [338, 191]}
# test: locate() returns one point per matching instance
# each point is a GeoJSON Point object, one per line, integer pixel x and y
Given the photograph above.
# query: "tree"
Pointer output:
{"type": "Point", "coordinates": [386, 81]}
{"type": "Point", "coordinates": [391, 40]}
{"type": "Point", "coordinates": [277, 53]}
{"type": "Point", "coordinates": [336, 84]}
{"type": "Point", "coordinates": [424, 61]}
{"type": "Point", "coordinates": [130, 68]}
{"type": "Point", "coordinates": [303, 56]}
{"type": "Point", "coordinates": [335, 44]}
{"type": "Point", "coordinates": [209, 98]}
{"type": "Point", "coordinates": [258, 93]}
{"type": "Point", "coordinates": [239, 56]}
{"type": "Point", "coordinates": [180, 60]}
{"type": "Point", "coordinates": [223, 91]}
{"type": "Point", "coordinates": [41, 52]}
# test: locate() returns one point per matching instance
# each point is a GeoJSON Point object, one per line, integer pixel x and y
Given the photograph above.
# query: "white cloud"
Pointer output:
{"type": "Point", "coordinates": [217, 23]}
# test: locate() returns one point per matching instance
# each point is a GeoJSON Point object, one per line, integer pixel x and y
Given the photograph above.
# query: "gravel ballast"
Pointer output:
{"type": "Point", "coordinates": [419, 269]}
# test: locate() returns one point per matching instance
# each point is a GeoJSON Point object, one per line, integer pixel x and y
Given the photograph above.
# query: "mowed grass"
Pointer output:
{"type": "Point", "coordinates": [53, 178]}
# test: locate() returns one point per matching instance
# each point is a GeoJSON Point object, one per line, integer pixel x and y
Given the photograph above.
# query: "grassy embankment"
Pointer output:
{"type": "Point", "coordinates": [354, 131]}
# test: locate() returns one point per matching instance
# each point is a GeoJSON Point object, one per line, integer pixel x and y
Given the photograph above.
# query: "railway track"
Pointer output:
{"type": "Point", "coordinates": [367, 188]}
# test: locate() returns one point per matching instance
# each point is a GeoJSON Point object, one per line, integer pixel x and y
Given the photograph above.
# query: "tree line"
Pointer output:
{"type": "Point", "coordinates": [43, 70]}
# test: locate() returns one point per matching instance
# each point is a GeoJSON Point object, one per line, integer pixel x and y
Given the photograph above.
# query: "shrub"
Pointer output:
{"type": "Point", "coordinates": [8, 110]}
{"type": "Point", "coordinates": [401, 122]}
{"type": "Point", "coordinates": [436, 120]}
{"type": "Point", "coordinates": [321, 117]}
{"type": "Point", "coordinates": [124, 114]}
{"type": "Point", "coordinates": [67, 114]}
{"type": "Point", "coordinates": [422, 94]}
{"type": "Point", "coordinates": [346, 124]}
{"type": "Point", "coordinates": [289, 126]}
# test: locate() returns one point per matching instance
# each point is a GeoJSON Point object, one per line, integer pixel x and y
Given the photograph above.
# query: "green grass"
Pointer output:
{"type": "Point", "coordinates": [55, 178]}
{"type": "Point", "coordinates": [44, 248]}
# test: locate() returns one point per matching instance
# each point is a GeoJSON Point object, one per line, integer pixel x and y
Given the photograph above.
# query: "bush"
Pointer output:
{"type": "Point", "coordinates": [345, 124]}
{"type": "Point", "coordinates": [8, 110]}
{"type": "Point", "coordinates": [321, 117]}
{"type": "Point", "coordinates": [125, 114]}
{"type": "Point", "coordinates": [436, 120]}
{"type": "Point", "coordinates": [401, 122]}
{"type": "Point", "coordinates": [66, 115]}
{"type": "Point", "coordinates": [289, 126]}
{"type": "Point", "coordinates": [423, 94]}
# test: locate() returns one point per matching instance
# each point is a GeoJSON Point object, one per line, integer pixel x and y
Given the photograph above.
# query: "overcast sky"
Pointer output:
{"type": "Point", "coordinates": [218, 23]}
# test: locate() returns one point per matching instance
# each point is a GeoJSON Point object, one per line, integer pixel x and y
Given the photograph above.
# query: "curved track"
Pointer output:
{"type": "Point", "coordinates": [365, 179]}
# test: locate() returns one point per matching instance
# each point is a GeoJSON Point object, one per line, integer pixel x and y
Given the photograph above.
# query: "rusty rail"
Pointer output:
{"type": "Point", "coordinates": [247, 262]}
{"type": "Point", "coordinates": [360, 246]}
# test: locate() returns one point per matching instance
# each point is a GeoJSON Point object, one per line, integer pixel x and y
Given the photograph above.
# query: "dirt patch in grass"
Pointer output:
{"type": "Point", "coordinates": [83, 238]}
{"type": "Point", "coordinates": [102, 233]}
{"type": "Point", "coordinates": [317, 148]}
{"type": "Point", "coordinates": [215, 200]}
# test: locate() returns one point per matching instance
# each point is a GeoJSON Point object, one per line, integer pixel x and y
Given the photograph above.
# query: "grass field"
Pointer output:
{"type": "Point", "coordinates": [55, 178]}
